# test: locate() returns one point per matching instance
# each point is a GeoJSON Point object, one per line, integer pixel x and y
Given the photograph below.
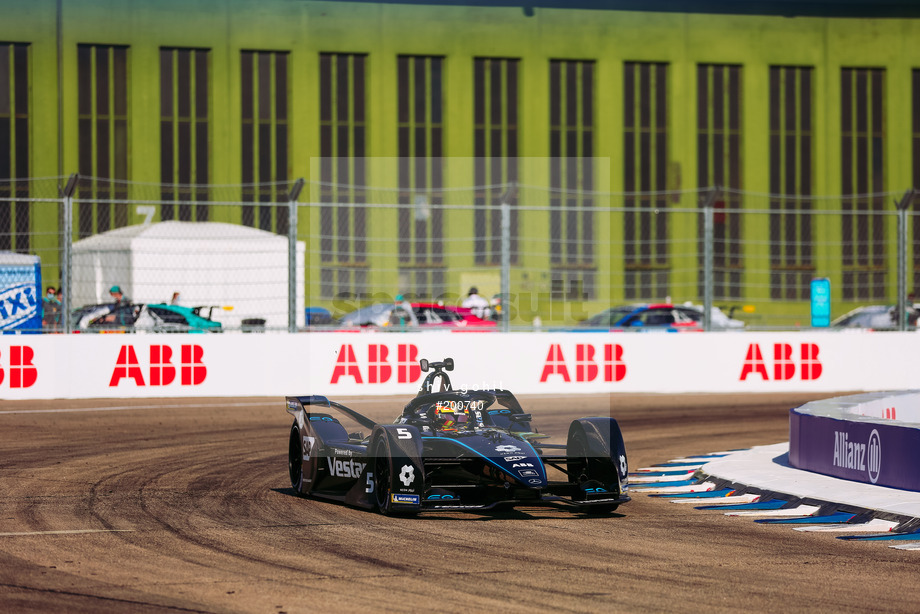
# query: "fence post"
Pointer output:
{"type": "Point", "coordinates": [67, 252]}
{"type": "Point", "coordinates": [292, 254]}
{"type": "Point", "coordinates": [709, 254]}
{"type": "Point", "coordinates": [903, 205]}
{"type": "Point", "coordinates": [506, 258]}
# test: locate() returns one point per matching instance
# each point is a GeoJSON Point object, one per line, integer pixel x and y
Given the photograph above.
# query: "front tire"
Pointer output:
{"type": "Point", "coordinates": [591, 466]}
{"type": "Point", "coordinates": [383, 476]}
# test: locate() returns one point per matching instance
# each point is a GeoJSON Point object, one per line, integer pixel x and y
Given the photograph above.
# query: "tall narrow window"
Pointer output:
{"type": "Point", "coordinates": [718, 143]}
{"type": "Point", "coordinates": [14, 147]}
{"type": "Point", "coordinates": [421, 175]}
{"type": "Point", "coordinates": [645, 169]}
{"type": "Point", "coordinates": [264, 86]}
{"type": "Point", "coordinates": [791, 177]}
{"type": "Point", "coordinates": [862, 152]}
{"type": "Point", "coordinates": [184, 112]}
{"type": "Point", "coordinates": [102, 122]}
{"type": "Point", "coordinates": [495, 145]}
{"type": "Point", "coordinates": [571, 145]}
{"type": "Point", "coordinates": [342, 144]}
{"type": "Point", "coordinates": [915, 142]}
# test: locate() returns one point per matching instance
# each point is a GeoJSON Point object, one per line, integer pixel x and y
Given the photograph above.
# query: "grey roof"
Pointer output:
{"type": "Point", "coordinates": [786, 8]}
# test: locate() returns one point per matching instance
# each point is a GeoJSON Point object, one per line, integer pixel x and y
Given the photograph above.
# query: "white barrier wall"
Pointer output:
{"type": "Point", "coordinates": [362, 363]}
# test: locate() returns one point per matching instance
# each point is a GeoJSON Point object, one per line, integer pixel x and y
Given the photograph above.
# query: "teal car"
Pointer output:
{"type": "Point", "coordinates": [163, 318]}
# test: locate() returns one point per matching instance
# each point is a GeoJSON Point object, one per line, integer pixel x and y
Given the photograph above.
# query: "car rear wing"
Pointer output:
{"type": "Point", "coordinates": [296, 404]}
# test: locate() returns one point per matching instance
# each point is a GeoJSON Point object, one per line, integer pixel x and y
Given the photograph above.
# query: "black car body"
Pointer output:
{"type": "Point", "coordinates": [421, 463]}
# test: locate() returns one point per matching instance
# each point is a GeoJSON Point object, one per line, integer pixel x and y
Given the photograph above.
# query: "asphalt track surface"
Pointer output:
{"type": "Point", "coordinates": [184, 505]}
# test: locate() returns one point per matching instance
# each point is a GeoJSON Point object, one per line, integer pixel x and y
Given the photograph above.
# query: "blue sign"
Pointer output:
{"type": "Point", "coordinates": [821, 302]}
{"type": "Point", "coordinates": [20, 293]}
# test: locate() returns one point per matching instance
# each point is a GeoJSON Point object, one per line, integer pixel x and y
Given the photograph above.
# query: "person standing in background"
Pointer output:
{"type": "Point", "coordinates": [476, 304]}
{"type": "Point", "coordinates": [51, 309]}
{"type": "Point", "coordinates": [120, 315]}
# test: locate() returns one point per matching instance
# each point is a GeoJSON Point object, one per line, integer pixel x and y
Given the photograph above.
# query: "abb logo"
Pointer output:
{"type": "Point", "coordinates": [379, 369]}
{"type": "Point", "coordinates": [161, 370]}
{"type": "Point", "coordinates": [22, 372]}
{"type": "Point", "coordinates": [784, 365]}
{"type": "Point", "coordinates": [587, 368]}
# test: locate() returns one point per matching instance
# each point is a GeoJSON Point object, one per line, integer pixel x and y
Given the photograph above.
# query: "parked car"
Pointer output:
{"type": "Point", "coordinates": [448, 315]}
{"type": "Point", "coordinates": [422, 315]}
{"type": "Point", "coordinates": [647, 317]}
{"type": "Point", "coordinates": [875, 317]}
{"type": "Point", "coordinates": [105, 317]}
{"type": "Point", "coordinates": [139, 317]}
{"type": "Point", "coordinates": [163, 318]}
{"type": "Point", "coordinates": [718, 319]}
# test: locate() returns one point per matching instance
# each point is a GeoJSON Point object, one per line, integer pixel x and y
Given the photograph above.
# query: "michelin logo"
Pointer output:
{"type": "Point", "coordinates": [397, 498]}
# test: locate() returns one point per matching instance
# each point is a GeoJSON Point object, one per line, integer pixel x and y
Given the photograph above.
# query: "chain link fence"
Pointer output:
{"type": "Point", "coordinates": [299, 255]}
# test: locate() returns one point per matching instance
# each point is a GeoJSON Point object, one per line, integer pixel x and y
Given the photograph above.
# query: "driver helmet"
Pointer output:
{"type": "Point", "coordinates": [449, 417]}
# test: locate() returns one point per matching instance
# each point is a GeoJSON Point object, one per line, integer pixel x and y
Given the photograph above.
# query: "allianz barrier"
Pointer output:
{"type": "Point", "coordinates": [340, 364]}
{"type": "Point", "coordinates": [872, 438]}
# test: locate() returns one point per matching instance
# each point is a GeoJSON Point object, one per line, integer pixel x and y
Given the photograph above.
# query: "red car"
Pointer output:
{"type": "Point", "coordinates": [424, 315]}
{"type": "Point", "coordinates": [448, 315]}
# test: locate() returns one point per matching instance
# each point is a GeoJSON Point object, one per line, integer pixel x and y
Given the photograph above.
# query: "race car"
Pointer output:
{"type": "Point", "coordinates": [453, 450]}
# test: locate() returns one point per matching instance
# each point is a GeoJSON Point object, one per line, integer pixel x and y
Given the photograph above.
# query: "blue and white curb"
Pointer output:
{"type": "Point", "coordinates": [759, 483]}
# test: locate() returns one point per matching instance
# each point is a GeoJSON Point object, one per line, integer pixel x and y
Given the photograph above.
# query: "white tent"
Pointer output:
{"type": "Point", "coordinates": [208, 263]}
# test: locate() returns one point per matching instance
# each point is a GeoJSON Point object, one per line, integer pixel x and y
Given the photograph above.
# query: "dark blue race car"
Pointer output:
{"type": "Point", "coordinates": [453, 450]}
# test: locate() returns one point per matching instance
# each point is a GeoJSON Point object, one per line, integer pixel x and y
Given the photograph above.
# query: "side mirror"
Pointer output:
{"type": "Point", "coordinates": [520, 417]}
{"type": "Point", "coordinates": [423, 363]}
{"type": "Point", "coordinates": [449, 364]}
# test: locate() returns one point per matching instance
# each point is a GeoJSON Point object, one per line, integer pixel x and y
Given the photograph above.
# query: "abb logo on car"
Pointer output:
{"type": "Point", "coordinates": [22, 372]}
{"type": "Point", "coordinates": [587, 368]}
{"type": "Point", "coordinates": [784, 365]}
{"type": "Point", "coordinates": [161, 370]}
{"type": "Point", "coordinates": [379, 369]}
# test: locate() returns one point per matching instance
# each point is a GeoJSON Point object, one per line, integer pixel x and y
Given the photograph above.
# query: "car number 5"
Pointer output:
{"type": "Point", "coordinates": [402, 433]}
{"type": "Point", "coordinates": [370, 483]}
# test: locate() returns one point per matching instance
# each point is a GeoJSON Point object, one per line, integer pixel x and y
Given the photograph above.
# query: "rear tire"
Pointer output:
{"type": "Point", "coordinates": [295, 461]}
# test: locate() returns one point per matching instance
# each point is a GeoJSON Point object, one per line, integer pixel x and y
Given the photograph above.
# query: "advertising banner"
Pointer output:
{"type": "Point", "coordinates": [365, 363]}
{"type": "Point", "coordinates": [20, 293]}
{"type": "Point", "coordinates": [869, 452]}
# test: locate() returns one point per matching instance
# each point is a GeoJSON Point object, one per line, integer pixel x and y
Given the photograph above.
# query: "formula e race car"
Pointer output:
{"type": "Point", "coordinates": [453, 450]}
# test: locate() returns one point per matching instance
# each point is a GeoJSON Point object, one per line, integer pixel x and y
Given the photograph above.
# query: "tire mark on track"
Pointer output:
{"type": "Point", "coordinates": [104, 599]}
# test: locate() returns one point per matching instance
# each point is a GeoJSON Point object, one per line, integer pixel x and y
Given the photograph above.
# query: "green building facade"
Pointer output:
{"type": "Point", "coordinates": [592, 123]}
